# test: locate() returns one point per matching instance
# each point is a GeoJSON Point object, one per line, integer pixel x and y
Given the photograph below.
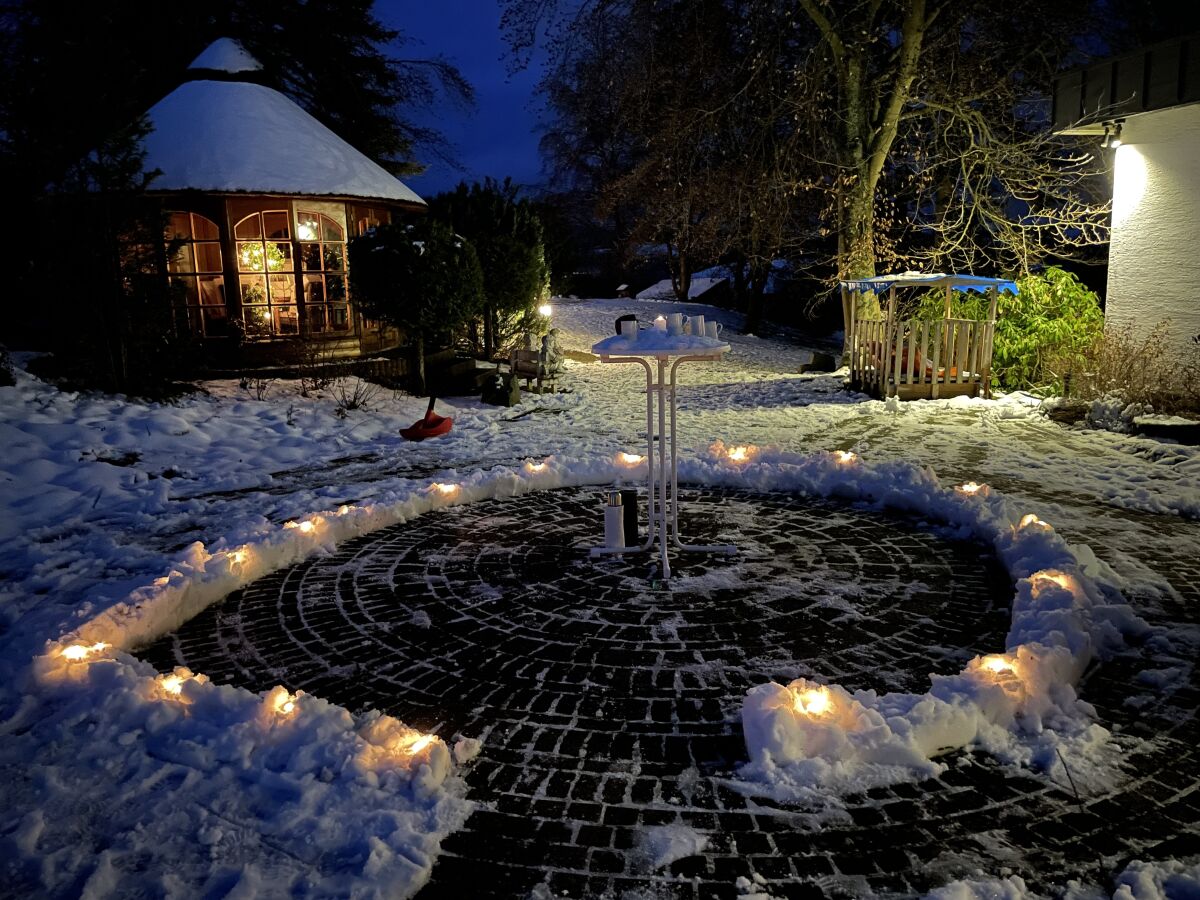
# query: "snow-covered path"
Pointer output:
{"type": "Point", "coordinates": [100, 495]}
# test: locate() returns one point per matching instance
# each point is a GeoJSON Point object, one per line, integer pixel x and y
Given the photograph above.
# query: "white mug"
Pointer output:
{"type": "Point", "coordinates": [698, 326]}
{"type": "Point", "coordinates": [713, 329]}
{"type": "Point", "coordinates": [629, 329]}
{"type": "Point", "coordinates": [675, 323]}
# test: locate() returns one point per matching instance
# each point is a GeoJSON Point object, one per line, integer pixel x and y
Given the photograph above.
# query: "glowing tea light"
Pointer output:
{"type": "Point", "coordinates": [78, 652]}
{"type": "Point", "coordinates": [343, 509]}
{"type": "Point", "coordinates": [660, 323]}
{"type": "Point", "coordinates": [441, 488]}
{"type": "Point", "coordinates": [970, 488]}
{"type": "Point", "coordinates": [813, 701]}
{"type": "Point", "coordinates": [1046, 577]}
{"type": "Point", "coordinates": [1032, 521]}
{"type": "Point", "coordinates": [535, 467]}
{"type": "Point", "coordinates": [283, 703]}
{"type": "Point", "coordinates": [416, 743]}
{"type": "Point", "coordinates": [172, 684]}
{"type": "Point", "coordinates": [845, 456]}
{"type": "Point", "coordinates": [240, 556]}
{"type": "Point", "coordinates": [996, 664]}
{"type": "Point", "coordinates": [739, 454]}
{"type": "Point", "coordinates": [630, 459]}
{"type": "Point", "coordinates": [546, 310]}
{"type": "Point", "coordinates": [306, 526]}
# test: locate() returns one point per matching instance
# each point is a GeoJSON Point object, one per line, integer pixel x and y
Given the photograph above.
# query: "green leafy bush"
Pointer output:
{"type": "Point", "coordinates": [424, 279]}
{"type": "Point", "coordinates": [1041, 334]}
{"type": "Point", "coordinates": [507, 234]}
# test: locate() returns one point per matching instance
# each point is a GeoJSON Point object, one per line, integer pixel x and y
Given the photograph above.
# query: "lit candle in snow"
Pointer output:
{"type": "Point", "coordinates": [80, 652]}
{"type": "Point", "coordinates": [812, 701]}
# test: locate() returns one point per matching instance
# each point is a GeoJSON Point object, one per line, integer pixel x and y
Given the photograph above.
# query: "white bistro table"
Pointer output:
{"type": "Point", "coordinates": [657, 352]}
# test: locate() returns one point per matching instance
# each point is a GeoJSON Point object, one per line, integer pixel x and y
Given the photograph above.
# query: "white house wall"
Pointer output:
{"type": "Point", "coordinates": [1154, 257]}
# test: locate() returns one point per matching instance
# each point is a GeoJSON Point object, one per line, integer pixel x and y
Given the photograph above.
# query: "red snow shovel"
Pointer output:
{"type": "Point", "coordinates": [430, 426]}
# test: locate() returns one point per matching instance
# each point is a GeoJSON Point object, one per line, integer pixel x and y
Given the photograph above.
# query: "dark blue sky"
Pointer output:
{"type": "Point", "coordinates": [498, 136]}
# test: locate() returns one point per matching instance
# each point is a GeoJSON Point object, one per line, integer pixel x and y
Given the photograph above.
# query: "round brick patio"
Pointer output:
{"type": "Point", "coordinates": [609, 704]}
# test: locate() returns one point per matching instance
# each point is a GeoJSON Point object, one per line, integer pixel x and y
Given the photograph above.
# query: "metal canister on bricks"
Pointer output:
{"type": "Point", "coordinates": [614, 521]}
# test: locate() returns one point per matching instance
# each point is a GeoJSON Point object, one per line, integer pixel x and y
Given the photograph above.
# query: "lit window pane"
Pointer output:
{"type": "Point", "coordinates": [283, 289]}
{"type": "Point", "coordinates": [314, 289]}
{"type": "Point", "coordinates": [286, 320]}
{"type": "Point", "coordinates": [307, 226]}
{"type": "Point", "coordinates": [254, 290]}
{"type": "Point", "coordinates": [208, 257]}
{"type": "Point", "coordinates": [212, 290]}
{"type": "Point", "coordinates": [204, 229]}
{"type": "Point", "coordinates": [316, 318]}
{"type": "Point", "coordinates": [181, 260]}
{"type": "Point", "coordinates": [332, 230]}
{"type": "Point", "coordinates": [251, 257]}
{"type": "Point", "coordinates": [257, 320]}
{"type": "Point", "coordinates": [275, 226]}
{"type": "Point", "coordinates": [249, 228]}
{"type": "Point", "coordinates": [178, 226]}
{"type": "Point", "coordinates": [333, 257]}
{"type": "Point", "coordinates": [311, 256]}
{"type": "Point", "coordinates": [184, 291]}
{"type": "Point", "coordinates": [279, 257]}
{"type": "Point", "coordinates": [335, 288]}
{"type": "Point", "coordinates": [339, 318]}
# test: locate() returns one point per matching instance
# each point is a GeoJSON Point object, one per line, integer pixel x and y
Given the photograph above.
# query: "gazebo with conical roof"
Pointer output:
{"type": "Point", "coordinates": [261, 200]}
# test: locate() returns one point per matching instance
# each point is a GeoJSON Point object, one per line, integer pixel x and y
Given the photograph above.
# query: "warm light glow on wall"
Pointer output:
{"type": "Point", "coordinates": [1129, 183]}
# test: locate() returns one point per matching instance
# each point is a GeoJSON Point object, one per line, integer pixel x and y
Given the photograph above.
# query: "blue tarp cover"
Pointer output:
{"type": "Point", "coordinates": [964, 283]}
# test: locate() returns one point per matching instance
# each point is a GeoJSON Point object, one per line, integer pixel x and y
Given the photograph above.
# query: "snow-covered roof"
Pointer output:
{"type": "Point", "coordinates": [226, 55]}
{"type": "Point", "coordinates": [664, 291]}
{"type": "Point", "coordinates": [236, 136]}
{"type": "Point", "coordinates": [974, 283]}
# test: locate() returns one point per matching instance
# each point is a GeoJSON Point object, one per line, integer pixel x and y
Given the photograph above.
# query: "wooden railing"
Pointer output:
{"type": "Point", "coordinates": [912, 357]}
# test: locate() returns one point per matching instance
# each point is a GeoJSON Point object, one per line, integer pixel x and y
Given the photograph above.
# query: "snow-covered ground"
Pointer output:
{"type": "Point", "coordinates": [102, 497]}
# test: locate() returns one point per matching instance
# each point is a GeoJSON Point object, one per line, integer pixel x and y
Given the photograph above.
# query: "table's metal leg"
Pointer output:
{"type": "Point", "coordinates": [663, 508]}
{"type": "Point", "coordinates": [650, 470]}
{"type": "Point", "coordinates": [692, 548]}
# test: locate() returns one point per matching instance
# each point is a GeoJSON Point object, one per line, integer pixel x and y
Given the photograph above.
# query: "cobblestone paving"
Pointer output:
{"type": "Point", "coordinates": [608, 704]}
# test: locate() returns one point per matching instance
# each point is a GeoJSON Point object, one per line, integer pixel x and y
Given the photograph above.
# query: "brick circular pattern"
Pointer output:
{"type": "Point", "coordinates": [608, 703]}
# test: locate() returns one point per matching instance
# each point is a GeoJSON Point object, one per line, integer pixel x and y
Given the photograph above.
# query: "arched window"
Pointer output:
{"type": "Point", "coordinates": [194, 264]}
{"type": "Point", "coordinates": [323, 261]}
{"type": "Point", "coordinates": [267, 280]}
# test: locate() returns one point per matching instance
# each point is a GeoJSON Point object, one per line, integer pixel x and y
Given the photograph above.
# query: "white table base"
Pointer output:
{"type": "Point", "coordinates": [663, 482]}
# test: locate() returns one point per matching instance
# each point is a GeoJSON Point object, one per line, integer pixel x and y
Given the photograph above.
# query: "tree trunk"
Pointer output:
{"type": "Point", "coordinates": [756, 299]}
{"type": "Point", "coordinates": [489, 334]}
{"type": "Point", "coordinates": [859, 235]}
{"type": "Point", "coordinates": [685, 278]}
{"type": "Point", "coordinates": [418, 364]}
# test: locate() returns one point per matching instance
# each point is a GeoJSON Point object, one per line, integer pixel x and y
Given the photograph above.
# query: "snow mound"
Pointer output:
{"type": "Point", "coordinates": [169, 784]}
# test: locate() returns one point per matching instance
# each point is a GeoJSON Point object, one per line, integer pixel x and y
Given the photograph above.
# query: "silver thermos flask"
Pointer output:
{"type": "Point", "coordinates": [614, 521]}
